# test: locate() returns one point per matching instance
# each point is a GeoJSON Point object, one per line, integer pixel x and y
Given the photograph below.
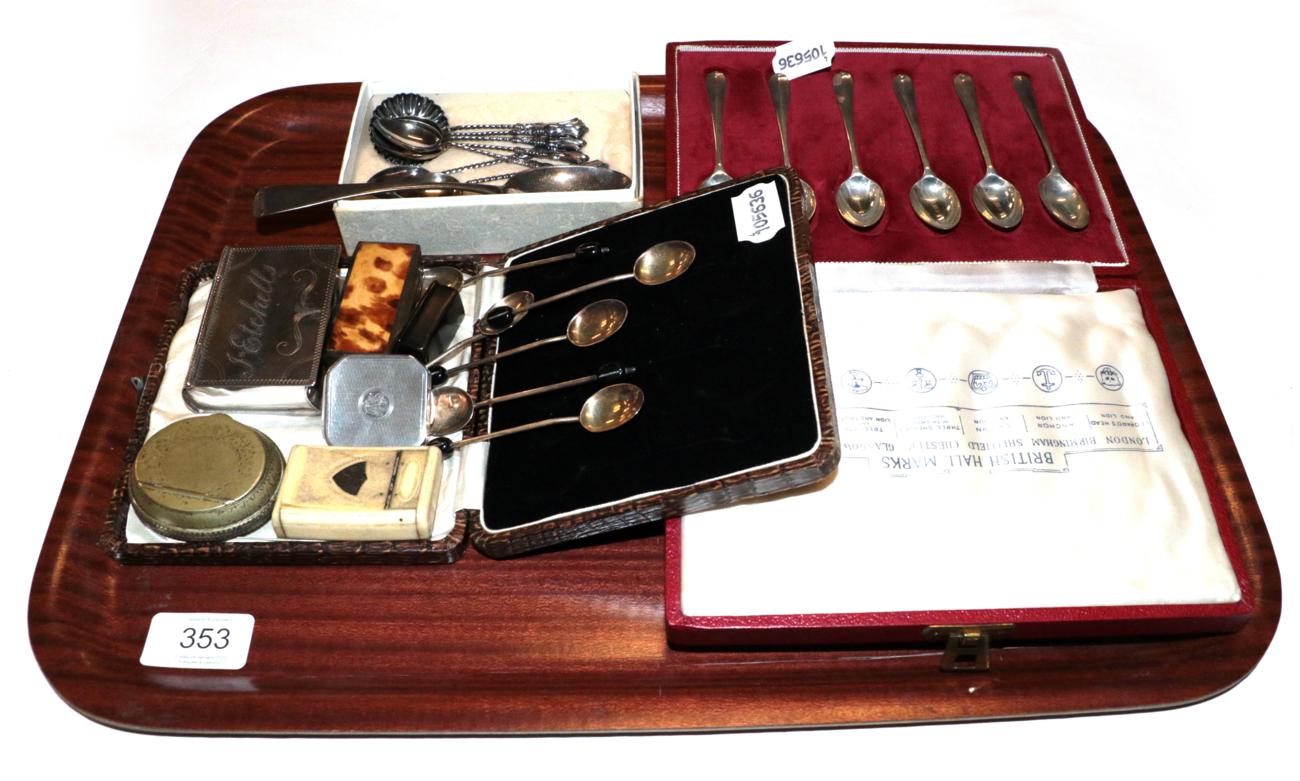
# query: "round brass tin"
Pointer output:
{"type": "Point", "coordinates": [205, 479]}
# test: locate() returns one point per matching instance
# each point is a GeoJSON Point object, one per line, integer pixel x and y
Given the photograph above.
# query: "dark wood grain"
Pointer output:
{"type": "Point", "coordinates": [563, 641]}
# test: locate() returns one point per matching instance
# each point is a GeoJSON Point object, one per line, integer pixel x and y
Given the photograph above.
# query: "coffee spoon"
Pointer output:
{"type": "Point", "coordinates": [453, 408]}
{"type": "Point", "coordinates": [779, 87]}
{"type": "Point", "coordinates": [508, 311]}
{"type": "Point", "coordinates": [445, 275]}
{"type": "Point", "coordinates": [605, 410]}
{"type": "Point", "coordinates": [1062, 199]}
{"type": "Point", "coordinates": [277, 199]}
{"type": "Point", "coordinates": [661, 263]}
{"type": "Point", "coordinates": [591, 325]}
{"type": "Point", "coordinates": [715, 84]}
{"type": "Point", "coordinates": [996, 199]}
{"type": "Point", "coordinates": [859, 200]}
{"type": "Point", "coordinates": [933, 200]}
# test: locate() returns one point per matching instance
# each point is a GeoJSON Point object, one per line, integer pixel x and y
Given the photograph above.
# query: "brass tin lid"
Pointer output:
{"type": "Point", "coordinates": [205, 479]}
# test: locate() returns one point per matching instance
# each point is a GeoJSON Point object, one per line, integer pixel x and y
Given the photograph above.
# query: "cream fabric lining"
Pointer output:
{"type": "Point", "coordinates": [1105, 523]}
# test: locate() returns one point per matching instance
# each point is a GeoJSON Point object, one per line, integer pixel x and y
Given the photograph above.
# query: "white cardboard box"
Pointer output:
{"type": "Point", "coordinates": [483, 224]}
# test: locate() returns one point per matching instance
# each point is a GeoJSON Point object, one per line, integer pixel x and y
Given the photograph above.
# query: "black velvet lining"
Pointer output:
{"type": "Point", "coordinates": [720, 352]}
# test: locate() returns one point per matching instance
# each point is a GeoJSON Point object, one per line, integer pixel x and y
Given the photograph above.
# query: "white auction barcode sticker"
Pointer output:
{"type": "Point", "coordinates": [213, 641]}
{"type": "Point", "coordinates": [758, 213]}
{"type": "Point", "coordinates": [799, 58]}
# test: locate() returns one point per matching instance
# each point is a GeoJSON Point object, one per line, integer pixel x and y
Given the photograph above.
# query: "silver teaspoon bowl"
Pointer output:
{"type": "Point", "coordinates": [998, 201]}
{"type": "Point", "coordinates": [860, 201]}
{"type": "Point", "coordinates": [935, 202]}
{"type": "Point", "coordinates": [1063, 201]}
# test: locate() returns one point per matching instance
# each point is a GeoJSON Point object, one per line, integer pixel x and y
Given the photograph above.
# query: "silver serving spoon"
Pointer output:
{"type": "Point", "coordinates": [591, 325]}
{"type": "Point", "coordinates": [1061, 198]}
{"type": "Point", "coordinates": [933, 200]}
{"type": "Point", "coordinates": [277, 199]}
{"type": "Point", "coordinates": [605, 410]}
{"type": "Point", "coordinates": [453, 408]}
{"type": "Point", "coordinates": [860, 201]}
{"type": "Point", "coordinates": [996, 199]}
{"type": "Point", "coordinates": [779, 87]}
{"type": "Point", "coordinates": [661, 263]}
{"type": "Point", "coordinates": [566, 178]}
{"type": "Point", "coordinates": [715, 84]}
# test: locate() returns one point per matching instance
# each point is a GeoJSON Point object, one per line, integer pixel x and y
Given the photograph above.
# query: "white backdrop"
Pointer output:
{"type": "Point", "coordinates": [1197, 104]}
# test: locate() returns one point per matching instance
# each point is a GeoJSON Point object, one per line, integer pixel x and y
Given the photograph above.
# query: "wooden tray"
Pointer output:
{"type": "Point", "coordinates": [563, 641]}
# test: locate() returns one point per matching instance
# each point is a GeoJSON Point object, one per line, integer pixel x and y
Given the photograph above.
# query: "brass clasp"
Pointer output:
{"type": "Point", "coordinates": [967, 647]}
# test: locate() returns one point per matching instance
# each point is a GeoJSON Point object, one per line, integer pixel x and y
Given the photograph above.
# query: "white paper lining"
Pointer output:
{"type": "Point", "coordinates": [1106, 523]}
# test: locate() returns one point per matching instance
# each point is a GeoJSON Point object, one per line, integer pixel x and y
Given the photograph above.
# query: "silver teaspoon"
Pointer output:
{"type": "Point", "coordinates": [996, 199]}
{"type": "Point", "coordinates": [933, 200]}
{"type": "Point", "coordinates": [715, 83]}
{"type": "Point", "coordinates": [605, 410]}
{"type": "Point", "coordinates": [1061, 198]}
{"type": "Point", "coordinates": [779, 87]}
{"type": "Point", "coordinates": [860, 201]}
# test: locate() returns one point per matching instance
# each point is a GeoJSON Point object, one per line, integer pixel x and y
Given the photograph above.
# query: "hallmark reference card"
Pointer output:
{"type": "Point", "coordinates": [1000, 450]}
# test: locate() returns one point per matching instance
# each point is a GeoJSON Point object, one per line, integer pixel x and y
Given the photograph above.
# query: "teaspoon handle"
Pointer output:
{"type": "Point", "coordinates": [280, 198]}
{"type": "Point", "coordinates": [575, 291]}
{"type": "Point", "coordinates": [906, 95]}
{"type": "Point", "coordinates": [842, 83]}
{"type": "Point", "coordinates": [1025, 89]}
{"type": "Point", "coordinates": [455, 348]}
{"type": "Point", "coordinates": [715, 83]}
{"type": "Point", "coordinates": [505, 354]}
{"type": "Point", "coordinates": [965, 87]}
{"type": "Point", "coordinates": [514, 430]}
{"type": "Point", "coordinates": [523, 394]}
{"type": "Point", "coordinates": [779, 87]}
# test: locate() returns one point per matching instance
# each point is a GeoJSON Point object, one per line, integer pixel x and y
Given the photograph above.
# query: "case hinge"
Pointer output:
{"type": "Point", "coordinates": [967, 647]}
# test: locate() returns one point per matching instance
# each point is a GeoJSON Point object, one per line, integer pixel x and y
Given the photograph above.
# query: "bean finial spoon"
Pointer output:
{"type": "Point", "coordinates": [605, 410]}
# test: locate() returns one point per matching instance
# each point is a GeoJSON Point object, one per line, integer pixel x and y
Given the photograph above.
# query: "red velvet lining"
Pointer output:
{"type": "Point", "coordinates": [820, 152]}
{"type": "Point", "coordinates": [1034, 623]}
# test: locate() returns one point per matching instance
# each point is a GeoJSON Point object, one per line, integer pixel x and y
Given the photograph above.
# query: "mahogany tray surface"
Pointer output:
{"type": "Point", "coordinates": [561, 641]}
